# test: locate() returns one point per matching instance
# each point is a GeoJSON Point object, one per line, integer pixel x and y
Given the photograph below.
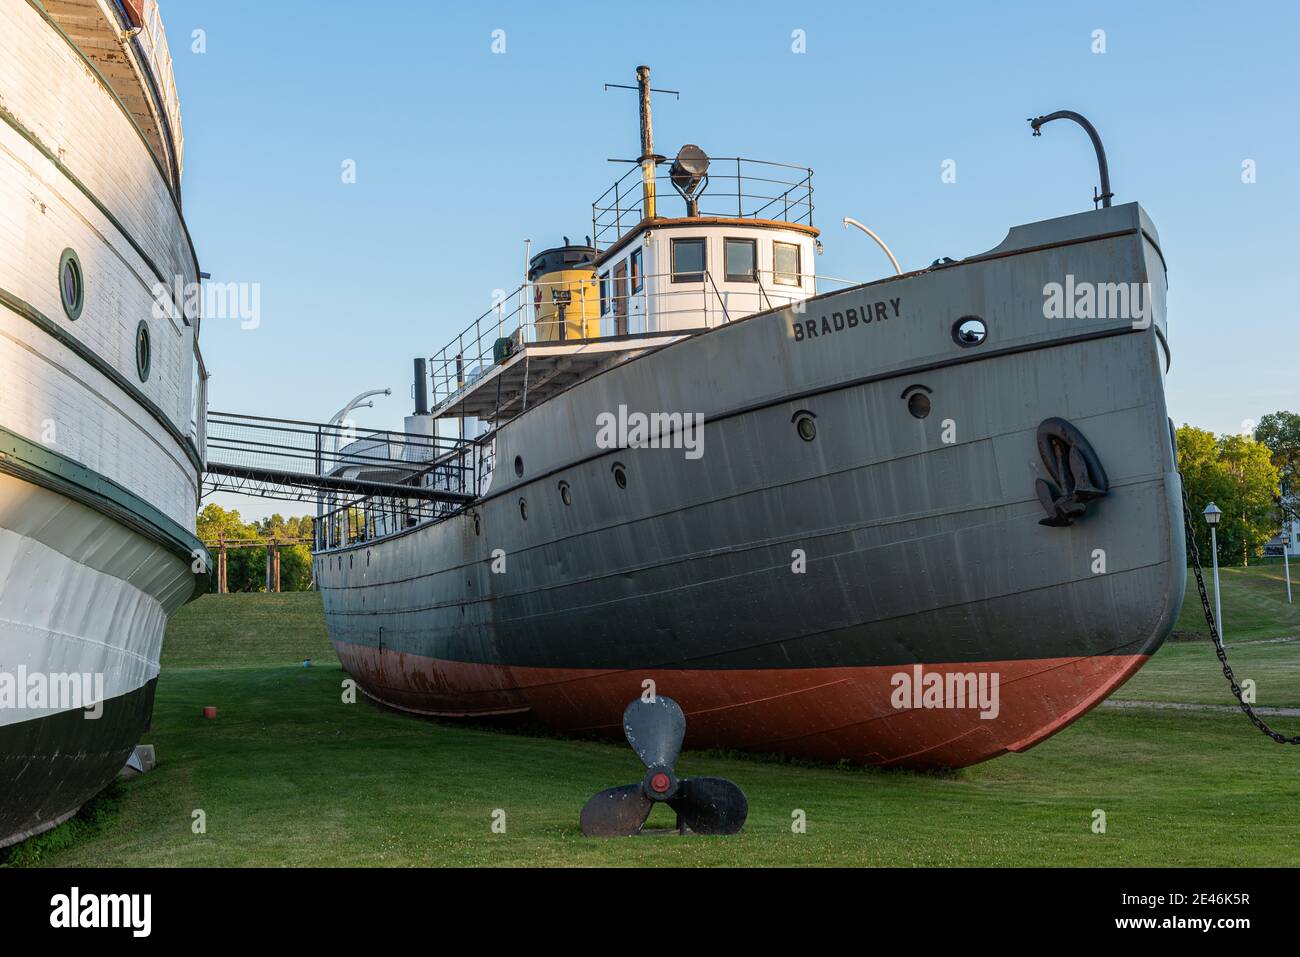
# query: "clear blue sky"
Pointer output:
{"type": "Point", "coordinates": [462, 153]}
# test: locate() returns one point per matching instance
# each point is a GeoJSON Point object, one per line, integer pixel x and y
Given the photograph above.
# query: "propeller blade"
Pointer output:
{"type": "Point", "coordinates": [655, 730]}
{"type": "Point", "coordinates": [710, 806]}
{"type": "Point", "coordinates": [616, 812]}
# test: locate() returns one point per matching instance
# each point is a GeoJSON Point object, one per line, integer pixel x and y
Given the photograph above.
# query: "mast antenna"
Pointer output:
{"type": "Point", "coordinates": [648, 159]}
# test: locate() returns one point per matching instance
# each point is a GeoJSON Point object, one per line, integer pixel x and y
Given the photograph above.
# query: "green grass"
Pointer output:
{"type": "Point", "coordinates": [1254, 604]}
{"type": "Point", "coordinates": [248, 629]}
{"type": "Point", "coordinates": [290, 775]}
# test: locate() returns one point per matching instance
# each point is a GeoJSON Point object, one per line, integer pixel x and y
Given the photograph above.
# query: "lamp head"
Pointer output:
{"type": "Point", "coordinates": [689, 174]}
{"type": "Point", "coordinates": [1212, 514]}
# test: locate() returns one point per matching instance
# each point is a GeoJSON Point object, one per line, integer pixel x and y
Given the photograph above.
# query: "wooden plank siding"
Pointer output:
{"type": "Point", "coordinates": [75, 173]}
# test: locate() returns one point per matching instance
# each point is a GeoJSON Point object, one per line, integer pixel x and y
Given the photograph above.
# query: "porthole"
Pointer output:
{"type": "Point", "coordinates": [478, 529]}
{"type": "Point", "coordinates": [72, 284]}
{"type": "Point", "coordinates": [620, 475]}
{"type": "Point", "coordinates": [523, 510]}
{"type": "Point", "coordinates": [969, 331]}
{"type": "Point", "coordinates": [805, 423]}
{"type": "Point", "coordinates": [519, 466]}
{"type": "Point", "coordinates": [143, 350]}
{"type": "Point", "coordinates": [566, 496]}
{"type": "Point", "coordinates": [918, 400]}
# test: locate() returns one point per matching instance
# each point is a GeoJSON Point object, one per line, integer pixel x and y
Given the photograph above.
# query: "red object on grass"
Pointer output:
{"type": "Point", "coordinates": [209, 712]}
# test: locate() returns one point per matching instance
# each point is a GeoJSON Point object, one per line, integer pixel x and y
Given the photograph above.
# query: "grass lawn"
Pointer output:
{"type": "Point", "coordinates": [290, 775]}
{"type": "Point", "coordinates": [1254, 604]}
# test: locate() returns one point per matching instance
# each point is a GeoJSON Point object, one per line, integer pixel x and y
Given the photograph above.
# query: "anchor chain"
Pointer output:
{"type": "Point", "coordinates": [1255, 719]}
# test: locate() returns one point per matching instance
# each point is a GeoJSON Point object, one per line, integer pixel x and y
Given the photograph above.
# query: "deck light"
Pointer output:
{"type": "Point", "coordinates": [689, 174]}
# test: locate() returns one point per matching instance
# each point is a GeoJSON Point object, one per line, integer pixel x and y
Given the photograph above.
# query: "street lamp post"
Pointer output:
{"type": "Point", "coordinates": [1286, 564]}
{"type": "Point", "coordinates": [1212, 516]}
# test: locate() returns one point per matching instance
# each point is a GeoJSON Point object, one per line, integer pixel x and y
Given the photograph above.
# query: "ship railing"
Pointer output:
{"type": "Point", "coordinates": [662, 303]}
{"type": "Point", "coordinates": [314, 448]}
{"type": "Point", "coordinates": [462, 473]}
{"type": "Point", "coordinates": [737, 188]}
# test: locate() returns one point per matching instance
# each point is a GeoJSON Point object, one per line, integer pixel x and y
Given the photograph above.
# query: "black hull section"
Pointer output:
{"type": "Point", "coordinates": [53, 765]}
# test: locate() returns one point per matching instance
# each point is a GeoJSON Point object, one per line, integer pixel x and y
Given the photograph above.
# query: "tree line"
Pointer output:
{"type": "Point", "coordinates": [246, 566]}
{"type": "Point", "coordinates": [1254, 478]}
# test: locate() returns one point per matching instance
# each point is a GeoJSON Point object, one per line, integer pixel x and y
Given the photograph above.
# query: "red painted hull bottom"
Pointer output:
{"type": "Point", "coordinates": [826, 714]}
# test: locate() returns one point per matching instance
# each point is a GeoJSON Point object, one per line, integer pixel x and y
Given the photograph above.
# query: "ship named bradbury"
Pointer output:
{"type": "Point", "coordinates": [902, 481]}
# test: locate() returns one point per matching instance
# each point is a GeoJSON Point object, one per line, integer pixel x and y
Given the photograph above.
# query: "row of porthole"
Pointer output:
{"type": "Point", "coordinates": [918, 406]}
{"type": "Point", "coordinates": [805, 423]}
{"type": "Point", "coordinates": [618, 470]}
{"type": "Point", "coordinates": [967, 331]}
{"type": "Point", "coordinates": [72, 293]}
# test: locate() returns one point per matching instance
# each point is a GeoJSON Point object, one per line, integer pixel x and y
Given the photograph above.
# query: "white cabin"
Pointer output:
{"type": "Point", "coordinates": [692, 273]}
{"type": "Point", "coordinates": [744, 246]}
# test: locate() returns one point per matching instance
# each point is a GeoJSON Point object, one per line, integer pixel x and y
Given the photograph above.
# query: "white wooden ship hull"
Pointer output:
{"type": "Point", "coordinates": [99, 459]}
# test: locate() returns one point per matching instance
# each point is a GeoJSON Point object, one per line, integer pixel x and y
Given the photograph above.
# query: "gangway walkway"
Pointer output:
{"type": "Point", "coordinates": [310, 461]}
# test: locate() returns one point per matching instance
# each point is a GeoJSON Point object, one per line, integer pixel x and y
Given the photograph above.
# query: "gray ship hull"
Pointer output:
{"type": "Point", "coordinates": [786, 591]}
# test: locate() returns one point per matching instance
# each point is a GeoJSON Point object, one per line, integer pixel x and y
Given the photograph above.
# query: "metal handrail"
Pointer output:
{"type": "Point", "coordinates": [620, 208]}
{"type": "Point", "coordinates": [464, 473]}
{"type": "Point", "coordinates": [471, 354]}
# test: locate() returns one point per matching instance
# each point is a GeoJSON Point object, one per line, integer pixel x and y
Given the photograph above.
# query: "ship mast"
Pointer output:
{"type": "Point", "coordinates": [647, 142]}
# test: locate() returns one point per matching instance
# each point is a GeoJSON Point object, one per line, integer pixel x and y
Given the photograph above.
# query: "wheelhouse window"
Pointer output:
{"type": "Point", "coordinates": [688, 260]}
{"type": "Point", "coordinates": [785, 264]}
{"type": "Point", "coordinates": [604, 293]}
{"type": "Point", "coordinates": [638, 277]}
{"type": "Point", "coordinates": [740, 260]}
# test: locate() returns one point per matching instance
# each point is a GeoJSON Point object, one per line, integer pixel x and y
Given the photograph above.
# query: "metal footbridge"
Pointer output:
{"type": "Point", "coordinates": [324, 463]}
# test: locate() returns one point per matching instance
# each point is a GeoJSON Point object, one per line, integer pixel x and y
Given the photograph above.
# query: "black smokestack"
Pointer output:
{"type": "Point", "coordinates": [421, 388]}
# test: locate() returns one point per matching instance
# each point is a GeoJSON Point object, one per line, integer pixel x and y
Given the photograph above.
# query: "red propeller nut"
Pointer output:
{"type": "Point", "coordinates": [659, 783]}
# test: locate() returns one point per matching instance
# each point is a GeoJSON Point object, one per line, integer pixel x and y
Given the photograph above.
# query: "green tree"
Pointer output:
{"type": "Point", "coordinates": [246, 564]}
{"type": "Point", "coordinates": [1238, 475]}
{"type": "Point", "coordinates": [1253, 517]}
{"type": "Point", "coordinates": [1280, 433]}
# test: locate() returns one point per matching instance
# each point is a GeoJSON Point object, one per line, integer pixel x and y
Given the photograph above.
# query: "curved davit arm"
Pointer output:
{"type": "Point", "coordinates": [1037, 123]}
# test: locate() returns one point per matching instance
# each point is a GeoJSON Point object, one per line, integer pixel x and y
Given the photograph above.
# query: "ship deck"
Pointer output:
{"type": "Point", "coordinates": [539, 370]}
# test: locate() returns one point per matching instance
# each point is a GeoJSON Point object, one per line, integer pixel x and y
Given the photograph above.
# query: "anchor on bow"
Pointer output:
{"type": "Point", "coordinates": [1077, 477]}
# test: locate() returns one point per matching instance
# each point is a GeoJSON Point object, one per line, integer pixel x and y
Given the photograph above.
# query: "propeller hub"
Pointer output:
{"type": "Point", "coordinates": [659, 783]}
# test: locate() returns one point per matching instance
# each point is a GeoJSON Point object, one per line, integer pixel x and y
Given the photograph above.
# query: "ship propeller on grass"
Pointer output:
{"type": "Point", "coordinates": [655, 730]}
